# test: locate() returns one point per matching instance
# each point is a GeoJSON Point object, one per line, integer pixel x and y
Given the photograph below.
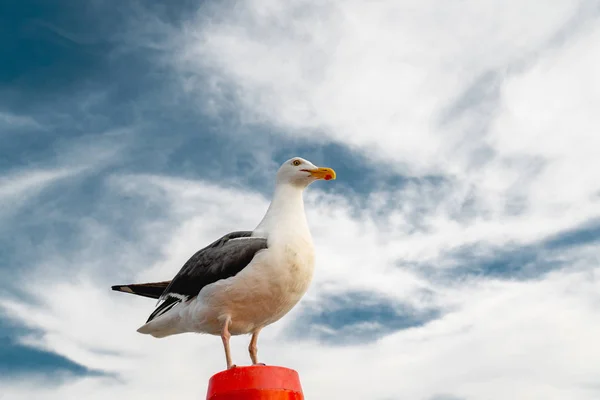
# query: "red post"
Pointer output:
{"type": "Point", "coordinates": [255, 383]}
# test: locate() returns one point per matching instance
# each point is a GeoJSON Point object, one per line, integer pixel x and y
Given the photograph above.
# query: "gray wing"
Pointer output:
{"type": "Point", "coordinates": [220, 260]}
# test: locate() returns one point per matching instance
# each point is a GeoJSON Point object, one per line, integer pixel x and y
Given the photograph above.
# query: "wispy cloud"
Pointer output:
{"type": "Point", "coordinates": [458, 249]}
{"type": "Point", "coordinates": [387, 79]}
{"type": "Point", "coordinates": [9, 121]}
{"type": "Point", "coordinates": [487, 329]}
{"type": "Point", "coordinates": [84, 155]}
{"type": "Point", "coordinates": [21, 184]}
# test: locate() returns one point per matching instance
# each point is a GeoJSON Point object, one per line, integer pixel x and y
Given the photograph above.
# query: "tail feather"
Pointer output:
{"type": "Point", "coordinates": [152, 290]}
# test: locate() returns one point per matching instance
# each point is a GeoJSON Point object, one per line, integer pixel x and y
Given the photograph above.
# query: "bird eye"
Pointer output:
{"type": "Point", "coordinates": [296, 163]}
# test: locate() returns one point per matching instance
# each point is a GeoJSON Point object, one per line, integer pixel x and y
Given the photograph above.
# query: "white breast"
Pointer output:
{"type": "Point", "coordinates": [260, 294]}
{"type": "Point", "coordinates": [273, 283]}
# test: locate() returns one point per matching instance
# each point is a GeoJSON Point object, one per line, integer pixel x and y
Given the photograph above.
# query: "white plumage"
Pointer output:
{"type": "Point", "coordinates": [245, 280]}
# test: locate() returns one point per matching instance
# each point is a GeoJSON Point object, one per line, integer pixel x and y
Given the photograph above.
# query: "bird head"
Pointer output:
{"type": "Point", "coordinates": [300, 172]}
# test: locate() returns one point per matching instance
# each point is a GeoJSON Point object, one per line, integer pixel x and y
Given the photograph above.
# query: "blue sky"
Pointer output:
{"type": "Point", "coordinates": [458, 246]}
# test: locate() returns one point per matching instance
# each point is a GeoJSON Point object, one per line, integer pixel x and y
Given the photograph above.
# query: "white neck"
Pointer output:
{"type": "Point", "coordinates": [286, 212]}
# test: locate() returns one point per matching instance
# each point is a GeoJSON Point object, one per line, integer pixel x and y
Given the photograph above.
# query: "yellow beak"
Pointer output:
{"type": "Point", "coordinates": [322, 173]}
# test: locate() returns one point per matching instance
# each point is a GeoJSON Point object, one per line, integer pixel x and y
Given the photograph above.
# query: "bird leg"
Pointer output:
{"type": "Point", "coordinates": [253, 348]}
{"type": "Point", "coordinates": [225, 336]}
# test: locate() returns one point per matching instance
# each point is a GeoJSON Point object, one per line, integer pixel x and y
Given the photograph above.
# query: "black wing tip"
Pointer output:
{"type": "Point", "coordinates": [152, 290]}
{"type": "Point", "coordinates": [122, 288]}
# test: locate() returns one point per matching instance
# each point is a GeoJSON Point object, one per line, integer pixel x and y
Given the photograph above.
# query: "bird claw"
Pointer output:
{"type": "Point", "coordinates": [263, 364]}
{"type": "Point", "coordinates": [232, 366]}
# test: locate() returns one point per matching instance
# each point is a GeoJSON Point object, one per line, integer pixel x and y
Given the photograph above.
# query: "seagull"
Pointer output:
{"type": "Point", "coordinates": [245, 280]}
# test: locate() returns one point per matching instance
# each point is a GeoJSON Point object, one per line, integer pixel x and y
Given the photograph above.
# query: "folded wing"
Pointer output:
{"type": "Point", "coordinates": [222, 259]}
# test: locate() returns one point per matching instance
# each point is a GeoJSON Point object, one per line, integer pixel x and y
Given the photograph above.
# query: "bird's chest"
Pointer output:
{"type": "Point", "coordinates": [290, 268]}
{"type": "Point", "coordinates": [267, 290]}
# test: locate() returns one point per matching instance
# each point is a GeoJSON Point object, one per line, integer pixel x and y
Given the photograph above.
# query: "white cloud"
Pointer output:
{"type": "Point", "coordinates": [18, 187]}
{"type": "Point", "coordinates": [496, 339]}
{"type": "Point", "coordinates": [374, 75]}
{"type": "Point", "coordinates": [499, 99]}
{"type": "Point", "coordinates": [84, 155]}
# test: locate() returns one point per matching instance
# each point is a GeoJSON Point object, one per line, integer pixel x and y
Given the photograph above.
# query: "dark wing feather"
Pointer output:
{"type": "Point", "coordinates": [165, 306]}
{"type": "Point", "coordinates": [222, 259]}
{"type": "Point", "coordinates": [152, 290]}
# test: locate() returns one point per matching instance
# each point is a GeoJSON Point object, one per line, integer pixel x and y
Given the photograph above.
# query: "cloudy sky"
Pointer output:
{"type": "Point", "coordinates": [457, 253]}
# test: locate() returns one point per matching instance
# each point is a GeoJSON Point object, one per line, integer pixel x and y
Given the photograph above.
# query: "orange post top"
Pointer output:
{"type": "Point", "coordinates": [255, 383]}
